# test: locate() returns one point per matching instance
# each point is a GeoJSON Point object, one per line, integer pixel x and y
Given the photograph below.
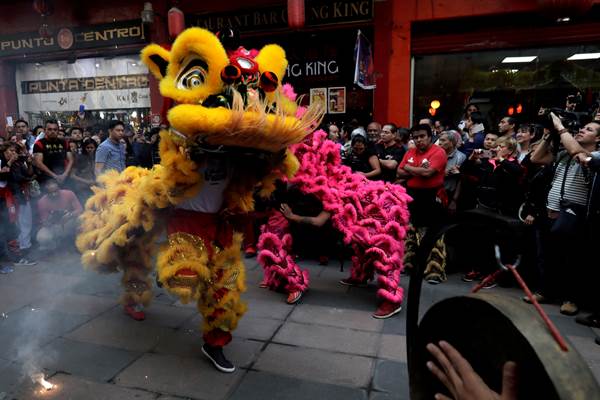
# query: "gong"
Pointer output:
{"type": "Point", "coordinates": [488, 330]}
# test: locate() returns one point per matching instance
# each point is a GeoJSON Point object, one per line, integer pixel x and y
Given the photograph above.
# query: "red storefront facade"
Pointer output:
{"type": "Point", "coordinates": [398, 29]}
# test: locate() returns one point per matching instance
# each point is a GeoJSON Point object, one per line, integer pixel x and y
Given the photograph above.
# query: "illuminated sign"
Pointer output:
{"type": "Point", "coordinates": [105, 35]}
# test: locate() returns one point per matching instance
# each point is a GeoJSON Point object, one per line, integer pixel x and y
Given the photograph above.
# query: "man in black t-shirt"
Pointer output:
{"type": "Point", "coordinates": [389, 152]}
{"type": "Point", "coordinates": [52, 156]}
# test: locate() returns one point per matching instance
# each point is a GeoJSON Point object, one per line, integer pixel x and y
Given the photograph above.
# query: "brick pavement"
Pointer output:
{"type": "Point", "coordinates": [326, 347]}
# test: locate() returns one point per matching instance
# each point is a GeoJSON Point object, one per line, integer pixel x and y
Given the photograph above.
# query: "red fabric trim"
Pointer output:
{"type": "Point", "coordinates": [217, 338]}
{"type": "Point", "coordinates": [209, 227]}
{"type": "Point", "coordinates": [11, 204]}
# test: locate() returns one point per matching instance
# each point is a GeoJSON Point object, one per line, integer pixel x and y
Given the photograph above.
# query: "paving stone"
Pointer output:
{"type": "Point", "coordinates": [393, 347]}
{"type": "Point", "coordinates": [157, 314]}
{"type": "Point", "coordinates": [68, 387]}
{"type": "Point", "coordinates": [391, 377]}
{"type": "Point", "coordinates": [126, 334]}
{"type": "Point", "coordinates": [257, 328]}
{"type": "Point", "coordinates": [24, 331]}
{"type": "Point", "coordinates": [262, 385]}
{"type": "Point", "coordinates": [586, 347]}
{"type": "Point", "coordinates": [12, 378]}
{"type": "Point", "coordinates": [568, 327]}
{"type": "Point", "coordinates": [162, 297]}
{"type": "Point", "coordinates": [267, 309]}
{"type": "Point", "coordinates": [108, 285]}
{"type": "Point", "coordinates": [188, 343]}
{"type": "Point", "coordinates": [248, 327]}
{"type": "Point", "coordinates": [339, 317]}
{"type": "Point", "coordinates": [99, 363]}
{"type": "Point", "coordinates": [363, 299]}
{"type": "Point", "coordinates": [316, 365]}
{"type": "Point", "coordinates": [76, 304]}
{"type": "Point", "coordinates": [13, 299]}
{"type": "Point", "coordinates": [258, 293]}
{"type": "Point", "coordinates": [329, 338]}
{"type": "Point", "coordinates": [169, 397]}
{"type": "Point", "coordinates": [180, 376]}
{"type": "Point", "coordinates": [595, 367]}
{"type": "Point", "coordinates": [395, 325]}
{"type": "Point", "coordinates": [388, 396]}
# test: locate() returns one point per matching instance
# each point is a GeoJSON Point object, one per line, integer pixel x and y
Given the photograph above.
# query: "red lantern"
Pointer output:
{"type": "Point", "coordinates": [176, 22]}
{"type": "Point", "coordinates": [519, 109]}
{"type": "Point", "coordinates": [296, 14]}
{"type": "Point", "coordinates": [432, 111]}
{"type": "Point", "coordinates": [511, 110]}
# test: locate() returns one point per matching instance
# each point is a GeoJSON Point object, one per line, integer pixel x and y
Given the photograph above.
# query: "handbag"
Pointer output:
{"type": "Point", "coordinates": [571, 217]}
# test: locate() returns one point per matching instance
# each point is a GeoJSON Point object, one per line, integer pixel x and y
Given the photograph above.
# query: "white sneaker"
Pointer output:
{"type": "Point", "coordinates": [23, 262]}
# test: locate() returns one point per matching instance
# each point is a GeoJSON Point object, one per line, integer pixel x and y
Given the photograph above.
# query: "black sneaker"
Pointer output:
{"type": "Point", "coordinates": [215, 354]}
{"type": "Point", "coordinates": [433, 279]}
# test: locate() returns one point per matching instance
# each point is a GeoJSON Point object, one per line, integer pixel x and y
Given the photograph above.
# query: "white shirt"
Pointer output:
{"type": "Point", "coordinates": [216, 172]}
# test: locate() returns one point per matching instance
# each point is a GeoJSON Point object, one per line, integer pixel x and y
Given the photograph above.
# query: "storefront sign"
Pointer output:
{"type": "Point", "coordinates": [313, 68]}
{"type": "Point", "coordinates": [89, 84]}
{"type": "Point", "coordinates": [116, 82]}
{"type": "Point", "coordinates": [105, 35]}
{"type": "Point", "coordinates": [318, 13]}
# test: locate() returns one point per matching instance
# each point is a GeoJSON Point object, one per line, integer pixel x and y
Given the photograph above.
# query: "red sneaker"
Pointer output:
{"type": "Point", "coordinates": [250, 251]}
{"type": "Point", "coordinates": [135, 311]}
{"type": "Point", "coordinates": [386, 309]}
{"type": "Point", "coordinates": [263, 284]}
{"type": "Point", "coordinates": [471, 276]}
{"type": "Point", "coordinates": [294, 297]}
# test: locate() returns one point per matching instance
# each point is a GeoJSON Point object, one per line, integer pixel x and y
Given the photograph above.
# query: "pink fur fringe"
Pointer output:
{"type": "Point", "coordinates": [371, 215]}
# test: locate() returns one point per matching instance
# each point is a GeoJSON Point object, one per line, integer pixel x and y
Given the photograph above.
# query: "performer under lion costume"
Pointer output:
{"type": "Point", "coordinates": [372, 217]}
{"type": "Point", "coordinates": [229, 133]}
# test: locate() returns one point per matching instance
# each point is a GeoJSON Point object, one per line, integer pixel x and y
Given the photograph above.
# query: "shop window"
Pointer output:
{"type": "Point", "coordinates": [502, 84]}
{"type": "Point", "coordinates": [87, 92]}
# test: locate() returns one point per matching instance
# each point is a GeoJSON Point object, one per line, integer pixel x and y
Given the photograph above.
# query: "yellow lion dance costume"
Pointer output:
{"type": "Point", "coordinates": [228, 139]}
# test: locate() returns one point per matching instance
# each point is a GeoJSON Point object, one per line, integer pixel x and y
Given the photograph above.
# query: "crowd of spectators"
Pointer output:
{"type": "Point", "coordinates": [540, 174]}
{"type": "Point", "coordinates": [47, 174]}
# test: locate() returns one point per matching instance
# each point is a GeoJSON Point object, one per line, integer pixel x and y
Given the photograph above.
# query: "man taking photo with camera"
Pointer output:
{"type": "Point", "coordinates": [565, 237]}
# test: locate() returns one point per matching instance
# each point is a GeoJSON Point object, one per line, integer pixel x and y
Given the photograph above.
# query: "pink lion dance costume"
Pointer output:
{"type": "Point", "coordinates": [371, 215]}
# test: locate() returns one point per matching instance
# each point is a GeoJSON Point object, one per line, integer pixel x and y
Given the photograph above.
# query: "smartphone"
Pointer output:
{"type": "Point", "coordinates": [487, 153]}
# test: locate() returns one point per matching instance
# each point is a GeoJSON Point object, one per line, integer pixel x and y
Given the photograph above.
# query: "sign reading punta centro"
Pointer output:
{"type": "Point", "coordinates": [105, 35]}
{"type": "Point", "coordinates": [318, 13]}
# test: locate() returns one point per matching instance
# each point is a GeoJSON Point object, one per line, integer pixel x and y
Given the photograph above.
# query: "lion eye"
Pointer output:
{"type": "Point", "coordinates": [193, 74]}
{"type": "Point", "coordinates": [192, 79]}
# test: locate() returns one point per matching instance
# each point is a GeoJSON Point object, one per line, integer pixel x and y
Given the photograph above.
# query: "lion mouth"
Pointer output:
{"type": "Point", "coordinates": [184, 278]}
{"type": "Point", "coordinates": [244, 121]}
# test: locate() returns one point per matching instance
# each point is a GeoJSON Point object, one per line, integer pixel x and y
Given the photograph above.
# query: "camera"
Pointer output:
{"type": "Point", "coordinates": [485, 153]}
{"type": "Point", "coordinates": [569, 120]}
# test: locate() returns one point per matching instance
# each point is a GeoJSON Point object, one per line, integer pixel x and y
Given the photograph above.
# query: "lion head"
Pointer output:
{"type": "Point", "coordinates": [226, 99]}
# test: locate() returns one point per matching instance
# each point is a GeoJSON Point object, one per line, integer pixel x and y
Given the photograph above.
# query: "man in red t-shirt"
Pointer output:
{"type": "Point", "coordinates": [423, 168]}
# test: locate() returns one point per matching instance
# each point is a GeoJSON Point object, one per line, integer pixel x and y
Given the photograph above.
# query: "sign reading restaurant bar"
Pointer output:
{"type": "Point", "coordinates": [105, 35]}
{"type": "Point", "coordinates": [318, 13]}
